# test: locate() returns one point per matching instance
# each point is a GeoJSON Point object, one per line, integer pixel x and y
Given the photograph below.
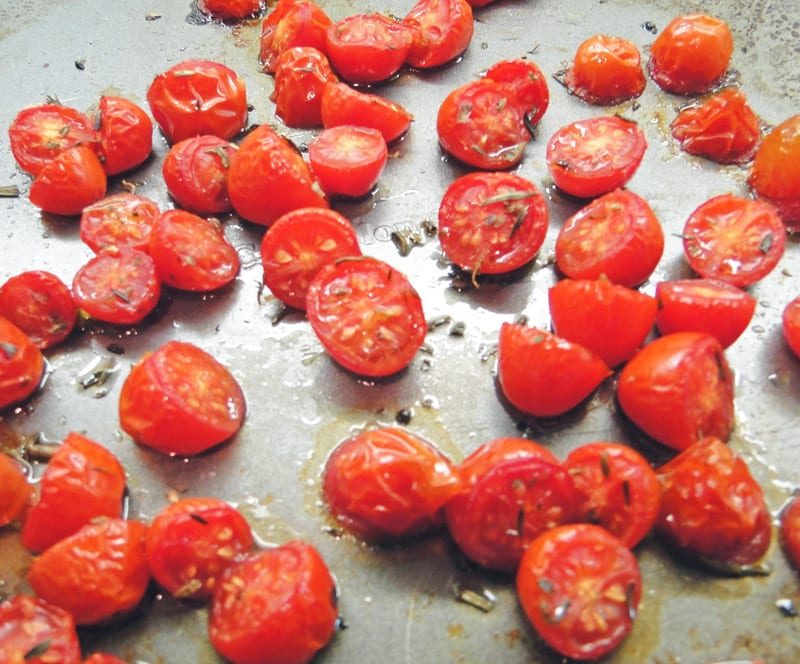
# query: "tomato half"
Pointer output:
{"type": "Point", "coordinates": [119, 220]}
{"type": "Point", "coordinates": [344, 105]}
{"type": "Point", "coordinates": [180, 400]}
{"type": "Point", "coordinates": [70, 182]}
{"type": "Point", "coordinates": [789, 530]}
{"type": "Point", "coordinates": [229, 10]}
{"type": "Point", "coordinates": [606, 71]}
{"type": "Point", "coordinates": [588, 158]}
{"type": "Point", "coordinates": [301, 74]}
{"type": "Point", "coordinates": [21, 364]}
{"type": "Point", "coordinates": [34, 631]}
{"type": "Point", "coordinates": [291, 23]}
{"type": "Point", "coordinates": [526, 81]}
{"type": "Point", "coordinates": [126, 134]}
{"type": "Point", "coordinates": [442, 31]}
{"type": "Point", "coordinates": [790, 322]}
{"type": "Point", "coordinates": [16, 493]}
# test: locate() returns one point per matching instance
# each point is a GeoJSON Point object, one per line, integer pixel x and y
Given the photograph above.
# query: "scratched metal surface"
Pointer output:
{"type": "Point", "coordinates": [399, 603]}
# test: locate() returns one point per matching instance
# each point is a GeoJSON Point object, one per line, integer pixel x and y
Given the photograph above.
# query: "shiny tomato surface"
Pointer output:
{"type": "Point", "coordinates": [291, 23]}
{"type": "Point", "coordinates": [70, 182]}
{"type": "Point", "coordinates": [33, 631]}
{"type": "Point", "coordinates": [344, 105]}
{"type": "Point", "coordinates": [126, 134]}
{"type": "Point", "coordinates": [526, 81]}
{"type": "Point", "coordinates": [605, 71]}
{"type": "Point", "coordinates": [789, 531]}
{"type": "Point", "coordinates": [301, 74]}
{"type": "Point", "coordinates": [21, 364]}
{"type": "Point", "coordinates": [790, 322]}
{"type": "Point", "coordinates": [119, 220]}
{"type": "Point", "coordinates": [442, 31]}
{"type": "Point", "coordinates": [230, 10]}
{"type": "Point", "coordinates": [16, 493]}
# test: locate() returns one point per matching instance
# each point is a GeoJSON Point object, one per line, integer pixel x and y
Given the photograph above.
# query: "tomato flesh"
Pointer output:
{"type": "Point", "coordinates": [119, 220]}
{"type": "Point", "coordinates": [34, 631]}
{"type": "Point", "coordinates": [526, 81]}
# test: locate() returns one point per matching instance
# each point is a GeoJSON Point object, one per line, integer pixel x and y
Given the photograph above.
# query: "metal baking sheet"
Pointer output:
{"type": "Point", "coordinates": [399, 603]}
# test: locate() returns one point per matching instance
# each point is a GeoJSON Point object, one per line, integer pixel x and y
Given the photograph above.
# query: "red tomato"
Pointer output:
{"type": "Point", "coordinates": [367, 48]}
{"type": "Point", "coordinates": [298, 244]}
{"type": "Point", "coordinates": [499, 450]}
{"type": "Point", "coordinates": [126, 134]}
{"type": "Point", "coordinates": [291, 23]}
{"type": "Point", "coordinates": [621, 490]}
{"type": "Point", "coordinates": [704, 305]}
{"type": "Point", "coordinates": [789, 530]}
{"type": "Point", "coordinates": [733, 239]}
{"type": "Point", "coordinates": [70, 182]}
{"type": "Point", "coordinates": [277, 605]}
{"type": "Point", "coordinates": [33, 631]}
{"type": "Point", "coordinates": [722, 128]}
{"type": "Point", "coordinates": [712, 507]}
{"type": "Point", "coordinates": [301, 74]}
{"type": "Point", "coordinates": [192, 253]}
{"type": "Point", "coordinates": [97, 574]}
{"type": "Point", "coordinates": [606, 71]}
{"type": "Point", "coordinates": [616, 235]}
{"type": "Point", "coordinates": [82, 482]}
{"type": "Point", "coordinates": [791, 325]}
{"type": "Point", "coordinates": [39, 134]}
{"type": "Point", "coordinates": [21, 364]}
{"type": "Point", "coordinates": [198, 97]}
{"type": "Point", "coordinates": [267, 162]}
{"type": "Point", "coordinates": [119, 286]}
{"type": "Point", "coordinates": [544, 375]}
{"type": "Point", "coordinates": [344, 105]}
{"type": "Point", "coordinates": [192, 542]}
{"type": "Point", "coordinates": [592, 157]}
{"type": "Point", "coordinates": [195, 171]}
{"type": "Point", "coordinates": [120, 220]}
{"type": "Point", "coordinates": [483, 125]}
{"type": "Point", "coordinates": [775, 176]}
{"type": "Point", "coordinates": [526, 82]}
{"type": "Point", "coordinates": [442, 30]}
{"type": "Point", "coordinates": [229, 10]}
{"type": "Point", "coordinates": [610, 320]}
{"type": "Point", "coordinates": [580, 587]}
{"type": "Point", "coordinates": [387, 484]}
{"type": "Point", "coordinates": [367, 315]}
{"type": "Point", "coordinates": [40, 305]}
{"type": "Point", "coordinates": [16, 493]}
{"type": "Point", "coordinates": [691, 54]}
{"type": "Point", "coordinates": [678, 389]}
{"type": "Point", "coordinates": [492, 222]}
{"type": "Point", "coordinates": [180, 400]}
{"type": "Point", "coordinates": [103, 658]}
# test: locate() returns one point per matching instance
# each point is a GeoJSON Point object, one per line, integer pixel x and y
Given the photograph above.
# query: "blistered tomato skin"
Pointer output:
{"type": "Point", "coordinates": [344, 105]}
{"type": "Point", "coordinates": [442, 31]}
{"type": "Point", "coordinates": [606, 71]}
{"type": "Point", "coordinates": [69, 183]}
{"type": "Point", "coordinates": [126, 134]}
{"type": "Point", "coordinates": [291, 23]}
{"type": "Point", "coordinates": [21, 365]}
{"type": "Point", "coordinates": [34, 631]}
{"type": "Point", "coordinates": [301, 75]}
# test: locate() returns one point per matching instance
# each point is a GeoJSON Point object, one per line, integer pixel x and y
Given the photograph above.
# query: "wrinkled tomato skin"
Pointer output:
{"type": "Point", "coordinates": [21, 365]}
{"type": "Point", "coordinates": [442, 31]}
{"type": "Point", "coordinates": [70, 182]}
{"type": "Point", "coordinates": [230, 10]}
{"type": "Point", "coordinates": [712, 507]}
{"type": "Point", "coordinates": [301, 75]}
{"type": "Point", "coordinates": [277, 605]}
{"type": "Point", "coordinates": [790, 322]}
{"type": "Point", "coordinates": [16, 493]}
{"type": "Point", "coordinates": [121, 220]}
{"type": "Point", "coordinates": [679, 389]}
{"type": "Point", "coordinates": [526, 81]}
{"type": "Point", "coordinates": [33, 625]}
{"type": "Point", "coordinates": [789, 531]}
{"type": "Point", "coordinates": [291, 23]}
{"type": "Point", "coordinates": [344, 105]}
{"type": "Point", "coordinates": [126, 134]}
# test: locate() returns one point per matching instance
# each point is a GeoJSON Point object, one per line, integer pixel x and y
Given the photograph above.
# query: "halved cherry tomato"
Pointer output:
{"type": "Point", "coordinates": [40, 305]}
{"type": "Point", "coordinates": [588, 158]}
{"type": "Point", "coordinates": [605, 71]}
{"type": "Point", "coordinates": [276, 605]}
{"type": "Point", "coordinates": [348, 160]}
{"type": "Point", "coordinates": [790, 321]}
{"type": "Point", "coordinates": [119, 220]}
{"type": "Point", "coordinates": [580, 587]}
{"type": "Point", "coordinates": [679, 389]}
{"type": "Point", "coordinates": [442, 31]}
{"type": "Point", "coordinates": [70, 182]}
{"type": "Point", "coordinates": [126, 134]}
{"type": "Point", "coordinates": [691, 54]}
{"type": "Point", "coordinates": [388, 484]}
{"type": "Point", "coordinates": [490, 223]}
{"type": "Point", "coordinates": [616, 235]}
{"type": "Point", "coordinates": [33, 631]}
{"type": "Point", "coordinates": [298, 244]}
{"type": "Point", "coordinates": [703, 305]}
{"type": "Point", "coordinates": [82, 482]}
{"type": "Point", "coordinates": [21, 364]}
{"type": "Point", "coordinates": [733, 239]}
{"type": "Point", "coordinates": [367, 315]}
{"type": "Point", "coordinates": [229, 10]}
{"type": "Point", "coordinates": [192, 542]}
{"type": "Point", "coordinates": [542, 374]}
{"type": "Point", "coordinates": [609, 319]}
{"type": "Point", "coordinates": [712, 507]}
{"type": "Point", "coordinates": [789, 530]}
{"type": "Point", "coordinates": [344, 105]}
{"type": "Point", "coordinates": [198, 97]}
{"type": "Point", "coordinates": [16, 493]}
{"type": "Point", "coordinates": [180, 400]}
{"type": "Point", "coordinates": [301, 74]}
{"type": "Point", "coordinates": [526, 81]}
{"type": "Point", "coordinates": [291, 23]}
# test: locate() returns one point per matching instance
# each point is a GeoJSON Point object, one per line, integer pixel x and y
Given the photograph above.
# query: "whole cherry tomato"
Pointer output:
{"type": "Point", "coordinates": [442, 31]}
{"type": "Point", "coordinates": [33, 631]}
{"type": "Point", "coordinates": [119, 220]}
{"type": "Point", "coordinates": [790, 322]}
{"type": "Point", "coordinates": [789, 530]}
{"type": "Point", "coordinates": [16, 493]}
{"type": "Point", "coordinates": [606, 71]}
{"type": "Point", "coordinates": [526, 81]}
{"type": "Point", "coordinates": [70, 182]}
{"type": "Point", "coordinates": [21, 364]}
{"type": "Point", "coordinates": [347, 159]}
{"type": "Point", "coordinates": [344, 105]}
{"type": "Point", "coordinates": [229, 10]}
{"type": "Point", "coordinates": [301, 74]}
{"type": "Point", "coordinates": [126, 134]}
{"type": "Point", "coordinates": [291, 23]}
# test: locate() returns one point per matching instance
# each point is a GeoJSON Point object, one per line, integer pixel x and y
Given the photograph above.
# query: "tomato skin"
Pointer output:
{"type": "Point", "coordinates": [229, 10]}
{"type": "Point", "coordinates": [119, 220]}
{"type": "Point", "coordinates": [276, 606]}
{"type": "Point", "coordinates": [70, 182]}
{"type": "Point", "coordinates": [499, 450]}
{"type": "Point", "coordinates": [606, 71]}
{"type": "Point", "coordinates": [790, 322]}
{"type": "Point", "coordinates": [28, 624]}
{"type": "Point", "coordinates": [348, 160]}
{"type": "Point", "coordinates": [679, 389]}
{"type": "Point", "coordinates": [387, 484]}
{"type": "Point", "coordinates": [544, 375]}
{"type": "Point", "coordinates": [16, 493]}
{"type": "Point", "coordinates": [292, 23]}
{"type": "Point", "coordinates": [344, 105]}
{"type": "Point", "coordinates": [179, 400]}
{"type": "Point", "coordinates": [526, 81]}
{"type": "Point", "coordinates": [126, 134]}
{"type": "Point", "coordinates": [103, 658]}
{"type": "Point", "coordinates": [580, 587]}
{"type": "Point", "coordinates": [442, 31]}
{"type": "Point", "coordinates": [789, 531]}
{"type": "Point", "coordinates": [301, 74]}
{"type": "Point", "coordinates": [21, 364]}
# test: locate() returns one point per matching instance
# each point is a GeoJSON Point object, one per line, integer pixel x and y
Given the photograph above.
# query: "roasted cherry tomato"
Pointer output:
{"type": "Point", "coordinates": [611, 320]}
{"type": "Point", "coordinates": [97, 574]}
{"type": "Point", "coordinates": [704, 305]}
{"type": "Point", "coordinates": [198, 97]}
{"type": "Point", "coordinates": [490, 223]}
{"type": "Point", "coordinates": [126, 134]}
{"type": "Point", "coordinates": [606, 71]}
{"type": "Point", "coordinates": [70, 182]}
{"type": "Point", "coordinates": [442, 30]}
{"type": "Point", "coordinates": [301, 74]}
{"type": "Point", "coordinates": [180, 400]}
{"type": "Point", "coordinates": [195, 171]}
{"type": "Point", "coordinates": [789, 530]}
{"type": "Point", "coordinates": [103, 658]}
{"type": "Point", "coordinates": [678, 389]}
{"type": "Point", "coordinates": [291, 23]}
{"type": "Point", "coordinates": [82, 482]}
{"type": "Point", "coordinates": [733, 239]}
{"type": "Point", "coordinates": [40, 305]}
{"type": "Point", "coordinates": [499, 450]}
{"type": "Point", "coordinates": [33, 631]}
{"type": "Point", "coordinates": [580, 587]}
{"type": "Point", "coordinates": [192, 542]}
{"type": "Point", "coordinates": [229, 10]}
{"type": "Point", "coordinates": [387, 484]}
{"type": "Point", "coordinates": [711, 506]}
{"type": "Point", "coordinates": [791, 325]}
{"type": "Point", "coordinates": [691, 54]}
{"type": "Point", "coordinates": [526, 81]}
{"type": "Point", "coordinates": [616, 235]}
{"type": "Point", "coordinates": [21, 364]}
{"type": "Point", "coordinates": [16, 493]}
{"type": "Point", "coordinates": [277, 605]}
{"type": "Point", "coordinates": [119, 220]}
{"type": "Point", "coordinates": [348, 160]}
{"type": "Point", "coordinates": [483, 125]}
{"type": "Point", "coordinates": [367, 315]}
{"type": "Point", "coordinates": [544, 375]}
{"type": "Point", "coordinates": [298, 244]}
{"type": "Point", "coordinates": [592, 157]}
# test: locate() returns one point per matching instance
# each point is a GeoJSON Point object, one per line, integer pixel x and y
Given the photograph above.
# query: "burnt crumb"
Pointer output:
{"type": "Point", "coordinates": [650, 27]}
{"type": "Point", "coordinates": [404, 416]}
